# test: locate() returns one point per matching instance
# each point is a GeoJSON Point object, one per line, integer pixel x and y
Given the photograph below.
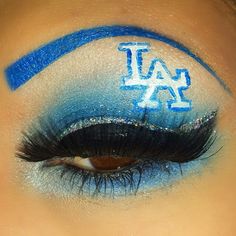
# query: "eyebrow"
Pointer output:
{"type": "Point", "coordinates": [31, 64]}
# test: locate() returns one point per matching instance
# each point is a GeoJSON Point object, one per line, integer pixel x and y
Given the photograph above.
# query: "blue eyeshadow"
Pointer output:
{"type": "Point", "coordinates": [74, 105]}
{"type": "Point", "coordinates": [83, 98]}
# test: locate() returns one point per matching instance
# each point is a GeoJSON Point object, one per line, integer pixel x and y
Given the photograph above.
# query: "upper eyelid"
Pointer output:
{"type": "Point", "coordinates": [19, 73]}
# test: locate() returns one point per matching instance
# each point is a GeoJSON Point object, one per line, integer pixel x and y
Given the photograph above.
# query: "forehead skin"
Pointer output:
{"type": "Point", "coordinates": [204, 208]}
{"type": "Point", "coordinates": [26, 25]}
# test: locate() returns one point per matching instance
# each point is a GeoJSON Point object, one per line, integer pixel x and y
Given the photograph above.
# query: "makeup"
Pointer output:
{"type": "Point", "coordinates": [29, 65]}
{"type": "Point", "coordinates": [158, 78]}
{"type": "Point", "coordinates": [129, 113]}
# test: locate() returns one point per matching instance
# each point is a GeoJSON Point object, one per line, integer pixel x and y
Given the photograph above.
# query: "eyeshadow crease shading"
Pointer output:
{"type": "Point", "coordinates": [31, 64]}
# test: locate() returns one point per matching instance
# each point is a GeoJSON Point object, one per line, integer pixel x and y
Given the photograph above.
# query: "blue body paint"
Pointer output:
{"type": "Point", "coordinates": [158, 78]}
{"type": "Point", "coordinates": [25, 68]}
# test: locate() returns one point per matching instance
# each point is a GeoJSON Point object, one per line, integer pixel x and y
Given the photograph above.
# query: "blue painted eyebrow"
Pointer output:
{"type": "Point", "coordinates": [29, 65]}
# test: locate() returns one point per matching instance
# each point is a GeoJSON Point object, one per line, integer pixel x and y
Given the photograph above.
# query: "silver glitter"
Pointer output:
{"type": "Point", "coordinates": [84, 123]}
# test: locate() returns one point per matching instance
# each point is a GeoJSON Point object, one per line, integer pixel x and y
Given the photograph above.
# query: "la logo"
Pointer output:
{"type": "Point", "coordinates": [157, 78]}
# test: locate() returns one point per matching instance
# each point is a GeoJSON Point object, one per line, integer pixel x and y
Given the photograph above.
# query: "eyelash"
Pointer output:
{"type": "Point", "coordinates": [44, 145]}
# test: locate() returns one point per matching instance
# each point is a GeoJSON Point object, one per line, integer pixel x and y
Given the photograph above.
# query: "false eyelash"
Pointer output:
{"type": "Point", "coordinates": [116, 138]}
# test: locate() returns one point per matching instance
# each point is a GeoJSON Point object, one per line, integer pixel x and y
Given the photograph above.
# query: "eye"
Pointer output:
{"type": "Point", "coordinates": [116, 157]}
{"type": "Point", "coordinates": [118, 117]}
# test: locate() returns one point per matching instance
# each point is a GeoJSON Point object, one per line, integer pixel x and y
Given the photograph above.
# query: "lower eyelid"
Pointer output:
{"type": "Point", "coordinates": [64, 181]}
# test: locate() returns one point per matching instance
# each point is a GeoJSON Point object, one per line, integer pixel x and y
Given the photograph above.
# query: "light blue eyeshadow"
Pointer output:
{"type": "Point", "coordinates": [164, 176]}
{"type": "Point", "coordinates": [155, 179]}
{"type": "Point", "coordinates": [85, 98]}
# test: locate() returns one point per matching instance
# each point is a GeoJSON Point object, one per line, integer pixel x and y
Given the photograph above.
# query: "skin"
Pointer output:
{"type": "Point", "coordinates": [198, 205]}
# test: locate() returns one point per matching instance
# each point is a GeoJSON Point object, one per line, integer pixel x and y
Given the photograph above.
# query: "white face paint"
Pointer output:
{"type": "Point", "coordinates": [157, 78]}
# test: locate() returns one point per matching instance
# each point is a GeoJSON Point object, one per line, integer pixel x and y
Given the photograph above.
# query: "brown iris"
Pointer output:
{"type": "Point", "coordinates": [105, 163]}
{"type": "Point", "coordinates": [110, 163]}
